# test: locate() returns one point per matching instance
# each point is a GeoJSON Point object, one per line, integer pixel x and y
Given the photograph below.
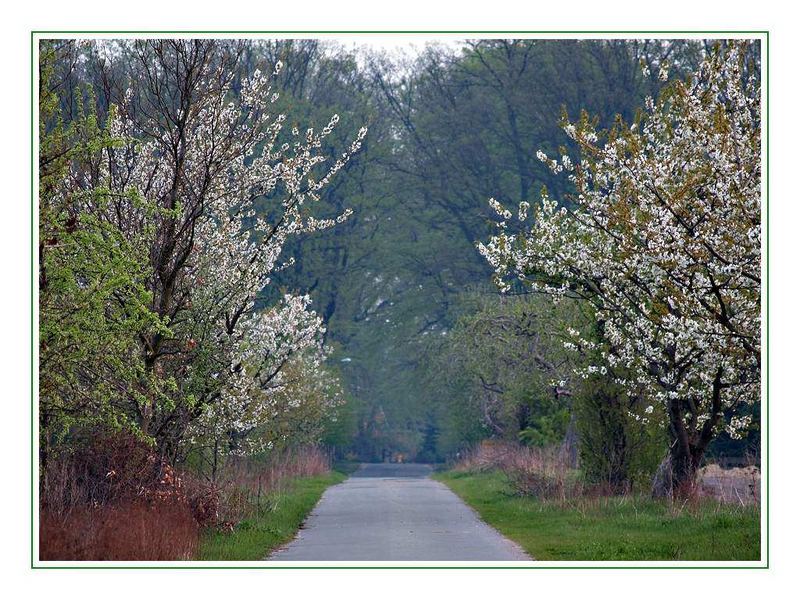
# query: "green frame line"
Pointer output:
{"type": "Point", "coordinates": [765, 80]}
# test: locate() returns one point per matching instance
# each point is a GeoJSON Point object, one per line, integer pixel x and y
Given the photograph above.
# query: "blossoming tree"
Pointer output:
{"type": "Point", "coordinates": [663, 237]}
{"type": "Point", "coordinates": [204, 150]}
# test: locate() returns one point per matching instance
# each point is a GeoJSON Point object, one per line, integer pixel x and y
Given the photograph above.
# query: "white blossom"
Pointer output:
{"type": "Point", "coordinates": [664, 241]}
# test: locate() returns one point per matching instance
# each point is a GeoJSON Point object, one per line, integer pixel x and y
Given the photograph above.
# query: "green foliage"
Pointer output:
{"type": "Point", "coordinates": [545, 427]}
{"type": "Point", "coordinates": [430, 366]}
{"type": "Point", "coordinates": [502, 371]}
{"type": "Point", "coordinates": [340, 428]}
{"type": "Point", "coordinates": [92, 301]}
{"type": "Point", "coordinates": [447, 131]}
{"type": "Point", "coordinates": [133, 332]}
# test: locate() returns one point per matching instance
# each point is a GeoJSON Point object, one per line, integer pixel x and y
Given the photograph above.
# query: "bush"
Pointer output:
{"type": "Point", "coordinates": [533, 482]}
{"type": "Point", "coordinates": [616, 450]}
{"type": "Point", "coordinates": [113, 498]}
{"type": "Point", "coordinates": [108, 468]}
{"type": "Point", "coordinates": [539, 473]}
{"type": "Point", "coordinates": [243, 482]}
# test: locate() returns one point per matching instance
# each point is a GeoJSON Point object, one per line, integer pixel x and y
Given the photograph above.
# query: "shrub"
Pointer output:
{"type": "Point", "coordinates": [539, 472]}
{"type": "Point", "coordinates": [107, 468]}
{"type": "Point", "coordinates": [616, 450]}
{"type": "Point", "coordinates": [113, 498]}
{"type": "Point", "coordinates": [527, 481]}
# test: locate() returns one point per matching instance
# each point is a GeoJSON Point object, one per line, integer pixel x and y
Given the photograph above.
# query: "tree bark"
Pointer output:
{"type": "Point", "coordinates": [688, 443]}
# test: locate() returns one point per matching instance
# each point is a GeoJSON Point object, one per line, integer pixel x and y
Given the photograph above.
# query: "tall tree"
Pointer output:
{"type": "Point", "coordinates": [201, 146]}
{"type": "Point", "coordinates": [664, 238]}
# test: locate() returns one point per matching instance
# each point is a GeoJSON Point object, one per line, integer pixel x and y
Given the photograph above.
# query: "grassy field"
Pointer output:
{"type": "Point", "coordinates": [277, 522]}
{"type": "Point", "coordinates": [611, 528]}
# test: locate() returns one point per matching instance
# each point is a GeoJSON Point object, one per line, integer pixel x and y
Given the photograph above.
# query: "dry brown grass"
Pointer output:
{"type": "Point", "coordinates": [545, 473]}
{"type": "Point", "coordinates": [114, 499]}
{"type": "Point", "coordinates": [128, 531]}
{"type": "Point", "coordinates": [536, 472]}
{"type": "Point", "coordinates": [244, 484]}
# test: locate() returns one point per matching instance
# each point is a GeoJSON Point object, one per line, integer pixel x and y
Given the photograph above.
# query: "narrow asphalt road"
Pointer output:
{"type": "Point", "coordinates": [395, 512]}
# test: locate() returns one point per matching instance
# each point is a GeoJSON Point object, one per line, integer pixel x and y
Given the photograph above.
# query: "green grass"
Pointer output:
{"type": "Point", "coordinates": [618, 528]}
{"type": "Point", "coordinates": [277, 522]}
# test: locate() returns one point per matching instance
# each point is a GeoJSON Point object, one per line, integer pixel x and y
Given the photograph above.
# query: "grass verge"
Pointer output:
{"type": "Point", "coordinates": [614, 528]}
{"type": "Point", "coordinates": [275, 523]}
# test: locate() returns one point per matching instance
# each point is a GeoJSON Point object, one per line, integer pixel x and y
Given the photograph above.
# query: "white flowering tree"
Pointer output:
{"type": "Point", "coordinates": [275, 375]}
{"type": "Point", "coordinates": [204, 148]}
{"type": "Point", "coordinates": [663, 237]}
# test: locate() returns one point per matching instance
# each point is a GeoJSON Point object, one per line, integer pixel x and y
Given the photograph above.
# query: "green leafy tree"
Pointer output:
{"type": "Point", "coordinates": [92, 303]}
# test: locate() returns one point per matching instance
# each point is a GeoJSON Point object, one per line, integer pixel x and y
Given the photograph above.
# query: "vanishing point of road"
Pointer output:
{"type": "Point", "coordinates": [395, 512]}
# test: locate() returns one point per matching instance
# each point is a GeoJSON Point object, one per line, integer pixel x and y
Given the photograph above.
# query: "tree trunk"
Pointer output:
{"type": "Point", "coordinates": [215, 462]}
{"type": "Point", "coordinates": [684, 468]}
{"type": "Point", "coordinates": [689, 442]}
{"type": "Point", "coordinates": [676, 476]}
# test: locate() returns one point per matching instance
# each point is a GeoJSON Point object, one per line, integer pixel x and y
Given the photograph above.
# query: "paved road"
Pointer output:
{"type": "Point", "coordinates": [388, 512]}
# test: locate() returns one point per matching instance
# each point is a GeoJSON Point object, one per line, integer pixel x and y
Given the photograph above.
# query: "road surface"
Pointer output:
{"type": "Point", "coordinates": [395, 512]}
